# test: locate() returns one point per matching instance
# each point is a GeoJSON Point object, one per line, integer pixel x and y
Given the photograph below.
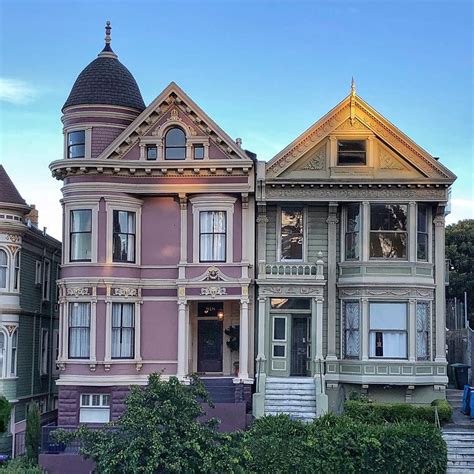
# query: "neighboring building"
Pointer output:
{"type": "Point", "coordinates": [351, 278]}
{"type": "Point", "coordinates": [158, 212]}
{"type": "Point", "coordinates": [29, 267]}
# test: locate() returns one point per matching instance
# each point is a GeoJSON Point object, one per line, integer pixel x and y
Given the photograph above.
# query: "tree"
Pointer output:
{"type": "Point", "coordinates": [159, 431]}
{"type": "Point", "coordinates": [5, 409]}
{"type": "Point", "coordinates": [32, 435]}
{"type": "Point", "coordinates": [460, 252]}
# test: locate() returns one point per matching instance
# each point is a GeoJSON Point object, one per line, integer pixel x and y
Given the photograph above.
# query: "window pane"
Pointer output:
{"type": "Point", "coordinates": [279, 325]}
{"type": "Point", "coordinates": [351, 152]}
{"type": "Point", "coordinates": [94, 415]}
{"type": "Point", "coordinates": [175, 137]}
{"type": "Point", "coordinates": [290, 303]}
{"type": "Point", "coordinates": [198, 152]}
{"type": "Point", "coordinates": [422, 218]}
{"type": "Point", "coordinates": [151, 153]}
{"type": "Point", "coordinates": [81, 246]}
{"type": "Point", "coordinates": [175, 153]}
{"type": "Point", "coordinates": [388, 217]}
{"type": "Point", "coordinates": [388, 344]}
{"type": "Point", "coordinates": [351, 145]}
{"type": "Point", "coordinates": [388, 244]}
{"type": "Point", "coordinates": [353, 218]}
{"type": "Point", "coordinates": [278, 351]}
{"type": "Point", "coordinates": [77, 151]}
{"type": "Point", "coordinates": [422, 246]}
{"type": "Point", "coordinates": [352, 246]}
{"type": "Point", "coordinates": [422, 330]}
{"type": "Point", "coordinates": [291, 234]}
{"type": "Point", "coordinates": [388, 316]}
{"type": "Point", "coordinates": [81, 220]}
{"type": "Point", "coordinates": [74, 138]}
{"type": "Point", "coordinates": [79, 330]}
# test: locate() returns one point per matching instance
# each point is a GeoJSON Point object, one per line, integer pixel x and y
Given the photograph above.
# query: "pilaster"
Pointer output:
{"type": "Point", "coordinates": [439, 223]}
{"type": "Point", "coordinates": [244, 339]}
{"type": "Point", "coordinates": [365, 231]}
{"type": "Point", "coordinates": [182, 328]}
{"type": "Point", "coordinates": [412, 225]}
{"type": "Point", "coordinates": [364, 330]}
{"type": "Point", "coordinates": [412, 330]}
{"type": "Point", "coordinates": [331, 289]}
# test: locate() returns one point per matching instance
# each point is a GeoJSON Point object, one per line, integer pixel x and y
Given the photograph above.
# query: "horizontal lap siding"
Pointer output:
{"type": "Point", "coordinates": [271, 234]}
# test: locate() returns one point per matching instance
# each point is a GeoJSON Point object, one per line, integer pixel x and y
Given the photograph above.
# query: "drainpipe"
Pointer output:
{"type": "Point", "coordinates": [51, 327]}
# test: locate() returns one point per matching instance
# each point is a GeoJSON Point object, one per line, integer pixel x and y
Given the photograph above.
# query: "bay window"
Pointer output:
{"type": "Point", "coordinates": [352, 232]}
{"type": "Point", "coordinates": [124, 227]}
{"type": "Point", "coordinates": [388, 231]}
{"type": "Point", "coordinates": [94, 408]}
{"type": "Point", "coordinates": [212, 236]}
{"type": "Point", "coordinates": [3, 269]}
{"type": "Point", "coordinates": [351, 342]}
{"type": "Point", "coordinates": [80, 235]}
{"type": "Point", "coordinates": [292, 233]}
{"type": "Point", "coordinates": [423, 315]}
{"type": "Point", "coordinates": [123, 330]}
{"type": "Point", "coordinates": [388, 330]}
{"type": "Point", "coordinates": [422, 233]}
{"type": "Point", "coordinates": [79, 330]}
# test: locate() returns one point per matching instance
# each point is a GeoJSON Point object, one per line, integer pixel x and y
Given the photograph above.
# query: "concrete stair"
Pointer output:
{"type": "Point", "coordinates": [454, 398]}
{"type": "Point", "coordinates": [294, 396]}
{"type": "Point", "coordinates": [460, 444]}
{"type": "Point", "coordinates": [221, 390]}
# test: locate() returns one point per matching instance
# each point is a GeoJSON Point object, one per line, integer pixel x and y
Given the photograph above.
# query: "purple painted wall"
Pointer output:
{"type": "Point", "coordinates": [102, 137]}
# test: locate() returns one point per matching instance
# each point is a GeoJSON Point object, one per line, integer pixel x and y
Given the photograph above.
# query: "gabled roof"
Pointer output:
{"type": "Point", "coordinates": [171, 96]}
{"type": "Point", "coordinates": [8, 192]}
{"type": "Point", "coordinates": [355, 109]}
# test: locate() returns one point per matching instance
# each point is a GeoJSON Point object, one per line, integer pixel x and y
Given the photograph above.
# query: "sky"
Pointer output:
{"type": "Point", "coordinates": [263, 70]}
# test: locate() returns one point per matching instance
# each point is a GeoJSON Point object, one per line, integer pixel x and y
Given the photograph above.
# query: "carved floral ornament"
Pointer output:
{"type": "Point", "coordinates": [11, 329]}
{"type": "Point", "coordinates": [291, 290]}
{"type": "Point", "coordinates": [125, 292]}
{"type": "Point", "coordinates": [78, 291]}
{"type": "Point", "coordinates": [391, 292]}
{"type": "Point", "coordinates": [15, 238]}
{"type": "Point", "coordinates": [213, 291]}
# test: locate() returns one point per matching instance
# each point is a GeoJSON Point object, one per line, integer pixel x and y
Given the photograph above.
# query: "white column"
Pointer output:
{"type": "Point", "coordinates": [262, 221]}
{"type": "Point", "coordinates": [138, 320]}
{"type": "Point", "coordinates": [183, 259]}
{"type": "Point", "coordinates": [108, 330]}
{"type": "Point", "coordinates": [440, 286]}
{"type": "Point", "coordinates": [319, 329]}
{"type": "Point", "coordinates": [244, 339]}
{"type": "Point", "coordinates": [365, 231]}
{"type": "Point", "coordinates": [181, 369]}
{"type": "Point", "coordinates": [331, 303]}
{"type": "Point", "coordinates": [364, 330]}
{"type": "Point", "coordinates": [93, 331]}
{"type": "Point", "coordinates": [412, 231]}
{"type": "Point", "coordinates": [261, 329]}
{"type": "Point", "coordinates": [244, 234]}
{"type": "Point", "coordinates": [61, 329]}
{"type": "Point", "coordinates": [412, 330]}
{"type": "Point", "coordinates": [65, 332]}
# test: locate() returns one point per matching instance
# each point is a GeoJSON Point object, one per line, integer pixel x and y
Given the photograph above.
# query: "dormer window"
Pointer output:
{"type": "Point", "coordinates": [175, 144]}
{"type": "Point", "coordinates": [151, 152]}
{"type": "Point", "coordinates": [198, 152]}
{"type": "Point", "coordinates": [76, 144]}
{"type": "Point", "coordinates": [351, 153]}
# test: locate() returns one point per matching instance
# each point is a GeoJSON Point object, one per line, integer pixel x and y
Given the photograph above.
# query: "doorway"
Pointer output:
{"type": "Point", "coordinates": [300, 346]}
{"type": "Point", "coordinates": [210, 337]}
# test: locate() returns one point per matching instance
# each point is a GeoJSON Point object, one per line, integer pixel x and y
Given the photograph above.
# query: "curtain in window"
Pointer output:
{"type": "Point", "coordinates": [351, 321]}
{"type": "Point", "coordinates": [388, 344]}
{"type": "Point", "coordinates": [124, 236]}
{"type": "Point", "coordinates": [3, 268]}
{"type": "Point", "coordinates": [79, 330]}
{"type": "Point", "coordinates": [81, 234]}
{"type": "Point", "coordinates": [123, 330]}
{"type": "Point", "coordinates": [213, 236]}
{"type": "Point", "coordinates": [422, 330]}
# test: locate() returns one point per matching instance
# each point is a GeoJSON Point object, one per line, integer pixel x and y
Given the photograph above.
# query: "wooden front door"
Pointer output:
{"type": "Point", "coordinates": [210, 340]}
{"type": "Point", "coordinates": [299, 346]}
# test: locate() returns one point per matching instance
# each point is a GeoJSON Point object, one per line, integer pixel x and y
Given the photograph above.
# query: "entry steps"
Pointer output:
{"type": "Point", "coordinates": [220, 389]}
{"type": "Point", "coordinates": [295, 396]}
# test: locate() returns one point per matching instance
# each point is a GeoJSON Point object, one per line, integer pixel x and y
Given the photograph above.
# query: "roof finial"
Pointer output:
{"type": "Point", "coordinates": [107, 51]}
{"type": "Point", "coordinates": [353, 87]}
{"type": "Point", "coordinates": [107, 32]}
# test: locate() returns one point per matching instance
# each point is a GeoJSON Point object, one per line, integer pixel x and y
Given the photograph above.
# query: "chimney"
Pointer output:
{"type": "Point", "coordinates": [32, 216]}
{"type": "Point", "coordinates": [238, 141]}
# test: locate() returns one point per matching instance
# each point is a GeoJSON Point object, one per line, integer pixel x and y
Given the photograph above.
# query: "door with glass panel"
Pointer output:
{"type": "Point", "coordinates": [280, 347]}
{"type": "Point", "coordinates": [300, 346]}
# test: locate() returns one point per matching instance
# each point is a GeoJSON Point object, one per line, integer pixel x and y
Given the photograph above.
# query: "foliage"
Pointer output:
{"type": "Point", "coordinates": [334, 444]}
{"type": "Point", "coordinates": [20, 465]}
{"type": "Point", "coordinates": [460, 252]}
{"type": "Point", "coordinates": [159, 431]}
{"type": "Point", "coordinates": [234, 337]}
{"type": "Point", "coordinates": [5, 410]}
{"type": "Point", "coordinates": [372, 412]}
{"type": "Point", "coordinates": [32, 435]}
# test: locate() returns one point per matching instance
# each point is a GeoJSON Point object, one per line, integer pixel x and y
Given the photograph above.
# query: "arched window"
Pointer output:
{"type": "Point", "coordinates": [14, 346]}
{"type": "Point", "coordinates": [3, 269]}
{"type": "Point", "coordinates": [2, 352]}
{"type": "Point", "coordinates": [16, 281]}
{"type": "Point", "coordinates": [175, 144]}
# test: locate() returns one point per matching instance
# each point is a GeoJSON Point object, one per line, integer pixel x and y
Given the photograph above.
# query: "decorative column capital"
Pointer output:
{"type": "Point", "coordinates": [245, 200]}
{"type": "Point", "coordinates": [262, 219]}
{"type": "Point", "coordinates": [183, 201]}
{"type": "Point", "coordinates": [439, 221]}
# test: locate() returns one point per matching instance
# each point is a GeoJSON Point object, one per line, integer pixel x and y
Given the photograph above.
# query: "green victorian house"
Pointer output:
{"type": "Point", "coordinates": [351, 277]}
{"type": "Point", "coordinates": [29, 266]}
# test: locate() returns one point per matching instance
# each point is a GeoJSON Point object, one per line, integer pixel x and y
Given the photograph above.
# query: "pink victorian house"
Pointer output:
{"type": "Point", "coordinates": [158, 219]}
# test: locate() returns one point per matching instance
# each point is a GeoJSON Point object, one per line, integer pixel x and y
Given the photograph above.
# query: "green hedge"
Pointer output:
{"type": "Point", "coordinates": [5, 409]}
{"type": "Point", "coordinates": [333, 444]}
{"type": "Point", "coordinates": [372, 412]}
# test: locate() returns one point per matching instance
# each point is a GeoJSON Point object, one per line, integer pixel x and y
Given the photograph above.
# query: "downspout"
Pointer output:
{"type": "Point", "coordinates": [51, 326]}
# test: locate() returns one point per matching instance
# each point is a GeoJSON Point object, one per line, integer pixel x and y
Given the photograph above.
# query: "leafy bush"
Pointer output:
{"type": "Point", "coordinates": [20, 465]}
{"type": "Point", "coordinates": [33, 432]}
{"type": "Point", "coordinates": [5, 409]}
{"type": "Point", "coordinates": [334, 444]}
{"type": "Point", "coordinates": [372, 412]}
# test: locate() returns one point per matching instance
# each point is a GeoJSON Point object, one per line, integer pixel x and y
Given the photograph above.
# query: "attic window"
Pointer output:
{"type": "Point", "coordinates": [76, 144]}
{"type": "Point", "coordinates": [175, 144]}
{"type": "Point", "coordinates": [151, 152]}
{"type": "Point", "coordinates": [351, 152]}
{"type": "Point", "coordinates": [198, 152]}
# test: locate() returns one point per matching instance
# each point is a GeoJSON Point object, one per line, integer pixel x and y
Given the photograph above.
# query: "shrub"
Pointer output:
{"type": "Point", "coordinates": [20, 465]}
{"type": "Point", "coordinates": [5, 409]}
{"type": "Point", "coordinates": [372, 412]}
{"type": "Point", "coordinates": [334, 444]}
{"type": "Point", "coordinates": [32, 435]}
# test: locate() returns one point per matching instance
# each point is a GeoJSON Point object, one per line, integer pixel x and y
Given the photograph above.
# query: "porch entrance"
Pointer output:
{"type": "Point", "coordinates": [300, 346]}
{"type": "Point", "coordinates": [210, 339]}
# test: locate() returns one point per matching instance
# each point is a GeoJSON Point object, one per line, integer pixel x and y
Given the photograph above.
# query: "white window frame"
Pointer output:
{"type": "Point", "coordinates": [213, 202]}
{"type": "Point", "coordinates": [104, 405]}
{"type": "Point", "coordinates": [92, 330]}
{"type": "Point", "coordinates": [4, 365]}
{"type": "Point", "coordinates": [279, 342]}
{"type": "Point", "coordinates": [128, 205]}
{"type": "Point", "coordinates": [134, 330]}
{"type": "Point", "coordinates": [13, 358]}
{"type": "Point", "coordinates": [38, 272]}
{"type": "Point", "coordinates": [305, 233]}
{"type": "Point", "coordinates": [428, 231]}
{"type": "Point", "coordinates": [46, 289]}
{"type": "Point", "coordinates": [343, 233]}
{"type": "Point", "coordinates": [87, 139]}
{"type": "Point", "coordinates": [43, 351]}
{"type": "Point", "coordinates": [15, 275]}
{"type": "Point", "coordinates": [7, 270]}
{"type": "Point", "coordinates": [93, 206]}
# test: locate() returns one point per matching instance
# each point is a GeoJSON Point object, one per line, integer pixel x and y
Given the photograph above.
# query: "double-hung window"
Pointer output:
{"type": "Point", "coordinates": [388, 330]}
{"type": "Point", "coordinates": [3, 352]}
{"type": "Point", "coordinates": [80, 235]}
{"type": "Point", "coordinates": [292, 233]}
{"type": "Point", "coordinates": [79, 330]}
{"type": "Point", "coordinates": [388, 231]}
{"type": "Point", "coordinates": [351, 153]}
{"type": "Point", "coordinates": [175, 144]}
{"type": "Point", "coordinates": [351, 242]}
{"type": "Point", "coordinates": [76, 144]}
{"type": "Point", "coordinates": [423, 315]}
{"type": "Point", "coordinates": [351, 343]}
{"type": "Point", "coordinates": [13, 353]}
{"type": "Point", "coordinates": [16, 276]}
{"type": "Point", "coordinates": [212, 236]}
{"type": "Point", "coordinates": [46, 280]}
{"type": "Point", "coordinates": [123, 330]}
{"type": "Point", "coordinates": [44, 351]}
{"type": "Point", "coordinates": [95, 408]}
{"type": "Point", "coordinates": [124, 227]}
{"type": "Point", "coordinates": [3, 268]}
{"type": "Point", "coordinates": [422, 233]}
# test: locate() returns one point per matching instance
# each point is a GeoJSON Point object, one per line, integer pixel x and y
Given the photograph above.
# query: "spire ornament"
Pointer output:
{"type": "Point", "coordinates": [107, 51]}
{"type": "Point", "coordinates": [353, 97]}
{"type": "Point", "coordinates": [353, 87]}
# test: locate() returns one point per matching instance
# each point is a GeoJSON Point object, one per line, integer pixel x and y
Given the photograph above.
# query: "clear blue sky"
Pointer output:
{"type": "Point", "coordinates": [263, 70]}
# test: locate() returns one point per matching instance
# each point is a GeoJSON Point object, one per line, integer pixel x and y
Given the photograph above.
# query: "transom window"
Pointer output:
{"type": "Point", "coordinates": [212, 236]}
{"type": "Point", "coordinates": [76, 144]}
{"type": "Point", "coordinates": [3, 268]}
{"type": "Point", "coordinates": [388, 231]}
{"type": "Point", "coordinates": [124, 224]}
{"type": "Point", "coordinates": [79, 330]}
{"type": "Point", "coordinates": [351, 243]}
{"type": "Point", "coordinates": [422, 233]}
{"type": "Point", "coordinates": [388, 330]}
{"type": "Point", "coordinates": [292, 237]}
{"type": "Point", "coordinates": [175, 144]}
{"type": "Point", "coordinates": [123, 330]}
{"type": "Point", "coordinates": [351, 153]}
{"type": "Point", "coordinates": [81, 235]}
